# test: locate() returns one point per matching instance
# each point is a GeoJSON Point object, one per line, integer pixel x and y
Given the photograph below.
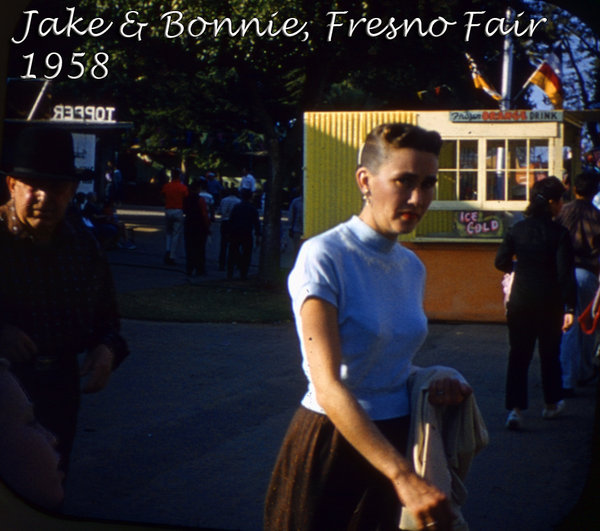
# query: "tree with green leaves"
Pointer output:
{"type": "Point", "coordinates": [210, 96]}
{"type": "Point", "coordinates": [578, 47]}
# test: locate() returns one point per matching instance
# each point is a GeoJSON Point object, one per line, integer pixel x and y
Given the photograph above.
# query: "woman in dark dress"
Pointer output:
{"type": "Point", "coordinates": [542, 299]}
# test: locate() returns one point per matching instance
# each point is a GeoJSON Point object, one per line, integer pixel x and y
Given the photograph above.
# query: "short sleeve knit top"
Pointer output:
{"type": "Point", "coordinates": [377, 286]}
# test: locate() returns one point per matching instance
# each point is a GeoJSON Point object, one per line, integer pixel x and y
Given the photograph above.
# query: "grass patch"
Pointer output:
{"type": "Point", "coordinates": [224, 302]}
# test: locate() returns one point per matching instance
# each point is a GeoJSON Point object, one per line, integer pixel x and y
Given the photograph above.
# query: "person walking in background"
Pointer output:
{"type": "Point", "coordinates": [113, 190]}
{"type": "Point", "coordinates": [173, 193]}
{"type": "Point", "coordinates": [542, 299]}
{"type": "Point", "coordinates": [248, 181]}
{"type": "Point", "coordinates": [582, 219]}
{"type": "Point", "coordinates": [357, 297]}
{"type": "Point", "coordinates": [109, 184]}
{"type": "Point", "coordinates": [196, 227]}
{"type": "Point", "coordinates": [106, 233]}
{"type": "Point", "coordinates": [225, 207]}
{"type": "Point", "coordinates": [243, 221]}
{"type": "Point", "coordinates": [214, 187]}
{"type": "Point", "coordinates": [57, 296]}
{"type": "Point", "coordinates": [296, 221]}
{"type": "Point", "coordinates": [125, 240]}
{"type": "Point", "coordinates": [208, 197]}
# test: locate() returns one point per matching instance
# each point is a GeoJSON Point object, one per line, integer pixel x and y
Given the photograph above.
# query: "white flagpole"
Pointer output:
{"type": "Point", "coordinates": [531, 76]}
{"type": "Point", "coordinates": [507, 65]}
{"type": "Point", "coordinates": [38, 99]}
{"type": "Point", "coordinates": [526, 84]}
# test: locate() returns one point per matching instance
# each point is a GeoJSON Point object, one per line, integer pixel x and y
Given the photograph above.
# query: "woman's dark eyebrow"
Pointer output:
{"type": "Point", "coordinates": [412, 175]}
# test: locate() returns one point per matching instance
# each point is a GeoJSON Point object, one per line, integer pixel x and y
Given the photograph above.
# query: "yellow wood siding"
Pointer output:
{"type": "Point", "coordinates": [462, 283]}
{"type": "Point", "coordinates": [331, 143]}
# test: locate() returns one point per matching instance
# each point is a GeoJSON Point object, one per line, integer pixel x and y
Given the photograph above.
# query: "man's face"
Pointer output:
{"type": "Point", "coordinates": [40, 204]}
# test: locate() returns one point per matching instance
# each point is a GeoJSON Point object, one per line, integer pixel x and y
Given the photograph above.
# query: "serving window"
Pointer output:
{"type": "Point", "coordinates": [483, 172]}
{"type": "Point", "coordinates": [458, 171]}
{"type": "Point", "coordinates": [512, 166]}
{"type": "Point", "coordinates": [483, 186]}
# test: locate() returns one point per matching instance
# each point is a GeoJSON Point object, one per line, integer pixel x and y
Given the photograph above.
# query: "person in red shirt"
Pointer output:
{"type": "Point", "coordinates": [173, 193]}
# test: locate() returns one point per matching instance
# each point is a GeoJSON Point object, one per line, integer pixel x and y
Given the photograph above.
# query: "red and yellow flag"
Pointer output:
{"type": "Point", "coordinates": [546, 77]}
{"type": "Point", "coordinates": [480, 82]}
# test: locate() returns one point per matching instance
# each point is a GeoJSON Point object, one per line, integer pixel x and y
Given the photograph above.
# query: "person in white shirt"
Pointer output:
{"type": "Point", "coordinates": [225, 207]}
{"type": "Point", "coordinates": [248, 181]}
{"type": "Point", "coordinates": [296, 215]}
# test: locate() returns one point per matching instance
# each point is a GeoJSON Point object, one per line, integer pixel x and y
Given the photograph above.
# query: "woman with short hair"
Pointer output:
{"type": "Point", "coordinates": [357, 296]}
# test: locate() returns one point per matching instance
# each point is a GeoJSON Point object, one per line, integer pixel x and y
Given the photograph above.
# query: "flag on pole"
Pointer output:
{"type": "Point", "coordinates": [479, 81]}
{"type": "Point", "coordinates": [547, 77]}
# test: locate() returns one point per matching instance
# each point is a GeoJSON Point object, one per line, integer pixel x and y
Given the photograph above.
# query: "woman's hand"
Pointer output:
{"type": "Point", "coordinates": [98, 366]}
{"type": "Point", "coordinates": [448, 392]}
{"type": "Point", "coordinates": [568, 321]}
{"type": "Point", "coordinates": [428, 504]}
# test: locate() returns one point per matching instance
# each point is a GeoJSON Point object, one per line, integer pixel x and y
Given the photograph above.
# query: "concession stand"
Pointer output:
{"type": "Point", "coordinates": [489, 161]}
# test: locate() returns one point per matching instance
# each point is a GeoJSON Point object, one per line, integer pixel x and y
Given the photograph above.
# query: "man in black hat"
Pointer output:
{"type": "Point", "coordinates": [57, 297]}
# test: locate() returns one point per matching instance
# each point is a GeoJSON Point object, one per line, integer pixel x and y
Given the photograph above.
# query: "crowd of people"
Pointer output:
{"type": "Point", "coordinates": [552, 259]}
{"type": "Point", "coordinates": [192, 205]}
{"type": "Point", "coordinates": [190, 209]}
{"type": "Point", "coordinates": [357, 298]}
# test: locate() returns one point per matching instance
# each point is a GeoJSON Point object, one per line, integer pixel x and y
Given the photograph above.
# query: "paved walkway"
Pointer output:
{"type": "Point", "coordinates": [188, 429]}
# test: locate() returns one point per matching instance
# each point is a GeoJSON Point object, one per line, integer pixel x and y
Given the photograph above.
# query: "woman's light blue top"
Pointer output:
{"type": "Point", "coordinates": [377, 287]}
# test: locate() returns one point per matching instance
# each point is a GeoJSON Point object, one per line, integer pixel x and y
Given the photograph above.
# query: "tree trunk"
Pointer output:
{"type": "Point", "coordinates": [270, 252]}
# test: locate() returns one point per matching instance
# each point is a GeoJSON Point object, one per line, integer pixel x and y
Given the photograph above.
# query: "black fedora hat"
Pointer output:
{"type": "Point", "coordinates": [42, 153]}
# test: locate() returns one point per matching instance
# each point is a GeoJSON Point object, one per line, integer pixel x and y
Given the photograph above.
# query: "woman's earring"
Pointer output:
{"type": "Point", "coordinates": [366, 196]}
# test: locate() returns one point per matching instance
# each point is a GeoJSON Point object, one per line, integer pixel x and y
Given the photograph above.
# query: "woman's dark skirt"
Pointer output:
{"type": "Point", "coordinates": [320, 482]}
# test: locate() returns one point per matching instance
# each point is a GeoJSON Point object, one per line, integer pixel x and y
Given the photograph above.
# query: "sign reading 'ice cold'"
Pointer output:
{"type": "Point", "coordinates": [477, 224]}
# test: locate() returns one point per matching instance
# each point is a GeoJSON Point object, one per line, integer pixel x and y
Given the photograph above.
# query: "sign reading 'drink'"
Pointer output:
{"type": "Point", "coordinates": [506, 116]}
{"type": "Point", "coordinates": [83, 113]}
